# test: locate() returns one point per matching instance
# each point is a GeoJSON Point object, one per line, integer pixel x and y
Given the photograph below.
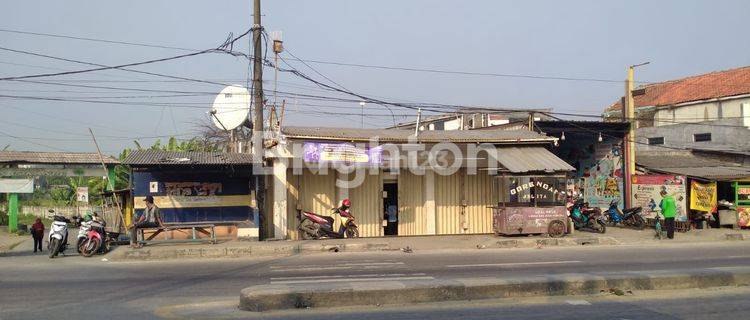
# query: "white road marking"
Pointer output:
{"type": "Point", "coordinates": [352, 280]}
{"type": "Point", "coordinates": [578, 302]}
{"type": "Point", "coordinates": [310, 269]}
{"type": "Point", "coordinates": [512, 264]}
{"type": "Point", "coordinates": [352, 276]}
{"type": "Point", "coordinates": [374, 264]}
{"type": "Point", "coordinates": [738, 257]}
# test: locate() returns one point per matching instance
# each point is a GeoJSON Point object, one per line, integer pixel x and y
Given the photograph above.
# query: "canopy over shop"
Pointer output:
{"type": "Point", "coordinates": [20, 169]}
{"type": "Point", "coordinates": [438, 182]}
{"type": "Point", "coordinates": [709, 182]}
{"type": "Point", "coordinates": [190, 187]}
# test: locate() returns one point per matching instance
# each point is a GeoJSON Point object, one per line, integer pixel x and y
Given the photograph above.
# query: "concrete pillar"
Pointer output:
{"type": "Point", "coordinates": [12, 212]}
{"type": "Point", "coordinates": [279, 198]}
{"type": "Point", "coordinates": [429, 202]}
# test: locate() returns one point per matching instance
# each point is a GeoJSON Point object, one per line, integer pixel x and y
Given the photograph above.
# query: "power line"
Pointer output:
{"type": "Point", "coordinates": [97, 40]}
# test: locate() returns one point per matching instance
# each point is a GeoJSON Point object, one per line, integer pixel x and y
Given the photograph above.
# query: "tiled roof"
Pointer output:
{"type": "Point", "coordinates": [706, 86]}
{"type": "Point", "coordinates": [694, 165]}
{"type": "Point", "coordinates": [398, 135]}
{"type": "Point", "coordinates": [158, 157]}
{"type": "Point", "coordinates": [32, 157]}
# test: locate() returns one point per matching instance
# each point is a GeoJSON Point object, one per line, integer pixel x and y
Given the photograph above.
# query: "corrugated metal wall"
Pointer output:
{"type": "Point", "coordinates": [291, 204]}
{"type": "Point", "coordinates": [411, 204]}
{"type": "Point", "coordinates": [481, 193]}
{"type": "Point", "coordinates": [448, 203]}
{"type": "Point", "coordinates": [367, 203]}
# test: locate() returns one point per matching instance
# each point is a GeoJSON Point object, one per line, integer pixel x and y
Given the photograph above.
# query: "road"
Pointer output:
{"type": "Point", "coordinates": [75, 287]}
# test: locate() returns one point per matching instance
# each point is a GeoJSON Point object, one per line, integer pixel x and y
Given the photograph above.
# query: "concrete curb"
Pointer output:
{"type": "Point", "coordinates": [276, 297]}
{"type": "Point", "coordinates": [283, 248]}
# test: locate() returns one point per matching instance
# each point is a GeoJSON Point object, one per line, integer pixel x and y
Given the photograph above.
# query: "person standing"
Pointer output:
{"type": "Point", "coordinates": [668, 210]}
{"type": "Point", "coordinates": [37, 232]}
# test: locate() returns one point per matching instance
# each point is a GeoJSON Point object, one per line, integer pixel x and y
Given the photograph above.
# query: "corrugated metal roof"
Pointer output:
{"type": "Point", "coordinates": [690, 164]}
{"type": "Point", "coordinates": [531, 159]}
{"type": "Point", "coordinates": [33, 157]}
{"type": "Point", "coordinates": [158, 157]}
{"type": "Point", "coordinates": [397, 135]}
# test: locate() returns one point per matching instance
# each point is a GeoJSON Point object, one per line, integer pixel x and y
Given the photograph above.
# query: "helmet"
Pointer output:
{"type": "Point", "coordinates": [346, 203]}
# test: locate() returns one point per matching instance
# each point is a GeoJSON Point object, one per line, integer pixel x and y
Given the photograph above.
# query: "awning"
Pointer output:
{"type": "Point", "coordinates": [709, 167]}
{"type": "Point", "coordinates": [531, 159]}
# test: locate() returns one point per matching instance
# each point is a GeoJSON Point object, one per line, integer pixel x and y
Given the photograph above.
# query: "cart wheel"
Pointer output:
{"type": "Point", "coordinates": [556, 229]}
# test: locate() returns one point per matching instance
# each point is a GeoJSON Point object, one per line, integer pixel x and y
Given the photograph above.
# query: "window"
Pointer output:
{"type": "Point", "coordinates": [655, 141]}
{"type": "Point", "coordinates": [702, 137]}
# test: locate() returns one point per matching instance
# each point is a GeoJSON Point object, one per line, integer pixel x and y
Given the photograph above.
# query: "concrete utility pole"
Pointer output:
{"type": "Point", "coordinates": [258, 111]}
{"type": "Point", "coordinates": [629, 150]}
{"type": "Point", "coordinates": [257, 85]}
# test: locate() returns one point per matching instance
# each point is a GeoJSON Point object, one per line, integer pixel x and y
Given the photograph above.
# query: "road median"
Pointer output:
{"type": "Point", "coordinates": [295, 296]}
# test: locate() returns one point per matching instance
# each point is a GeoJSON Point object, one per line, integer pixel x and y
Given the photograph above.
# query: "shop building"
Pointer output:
{"type": "Point", "coordinates": [196, 187]}
{"type": "Point", "coordinates": [401, 183]}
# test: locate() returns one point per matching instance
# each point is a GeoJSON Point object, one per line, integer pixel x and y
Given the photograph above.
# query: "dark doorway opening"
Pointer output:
{"type": "Point", "coordinates": [390, 208]}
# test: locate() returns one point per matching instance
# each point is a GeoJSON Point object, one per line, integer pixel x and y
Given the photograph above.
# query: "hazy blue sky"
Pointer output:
{"type": "Point", "coordinates": [580, 39]}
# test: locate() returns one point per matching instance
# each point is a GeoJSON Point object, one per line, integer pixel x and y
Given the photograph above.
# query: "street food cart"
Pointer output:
{"type": "Point", "coordinates": [530, 205]}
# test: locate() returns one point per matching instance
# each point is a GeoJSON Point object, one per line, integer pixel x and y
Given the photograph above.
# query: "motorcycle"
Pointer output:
{"type": "Point", "coordinates": [586, 218]}
{"type": "Point", "coordinates": [57, 239]}
{"type": "Point", "coordinates": [629, 217]}
{"type": "Point", "coordinates": [91, 238]}
{"type": "Point", "coordinates": [315, 226]}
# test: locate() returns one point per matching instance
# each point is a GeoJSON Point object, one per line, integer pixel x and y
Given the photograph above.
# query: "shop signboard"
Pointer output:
{"type": "Point", "coordinates": [317, 152]}
{"type": "Point", "coordinates": [647, 194]}
{"type": "Point", "coordinates": [16, 185]}
{"type": "Point", "coordinates": [743, 193]}
{"type": "Point", "coordinates": [703, 196]}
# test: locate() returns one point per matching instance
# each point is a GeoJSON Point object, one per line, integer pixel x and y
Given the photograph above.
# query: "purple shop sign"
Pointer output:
{"type": "Point", "coordinates": [317, 152]}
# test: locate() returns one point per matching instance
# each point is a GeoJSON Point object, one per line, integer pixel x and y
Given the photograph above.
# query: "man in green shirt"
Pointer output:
{"type": "Point", "coordinates": [668, 210]}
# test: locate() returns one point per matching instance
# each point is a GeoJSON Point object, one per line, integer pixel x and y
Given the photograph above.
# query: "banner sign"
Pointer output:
{"type": "Point", "coordinates": [744, 216]}
{"type": "Point", "coordinates": [703, 196]}
{"type": "Point", "coordinates": [647, 194]}
{"type": "Point", "coordinates": [315, 152]}
{"type": "Point", "coordinates": [743, 193]}
{"type": "Point", "coordinates": [16, 185]}
{"type": "Point", "coordinates": [51, 172]}
{"type": "Point", "coordinates": [82, 194]}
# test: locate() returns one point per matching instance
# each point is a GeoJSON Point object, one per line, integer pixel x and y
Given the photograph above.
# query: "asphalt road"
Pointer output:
{"type": "Point", "coordinates": [76, 287]}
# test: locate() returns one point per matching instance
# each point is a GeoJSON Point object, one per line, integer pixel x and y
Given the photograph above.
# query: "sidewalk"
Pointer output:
{"type": "Point", "coordinates": [11, 242]}
{"type": "Point", "coordinates": [236, 249]}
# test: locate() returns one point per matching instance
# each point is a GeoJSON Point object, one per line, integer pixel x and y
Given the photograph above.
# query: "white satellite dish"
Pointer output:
{"type": "Point", "coordinates": [230, 108]}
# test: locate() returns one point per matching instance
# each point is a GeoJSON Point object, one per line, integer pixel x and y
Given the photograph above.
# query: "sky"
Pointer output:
{"type": "Point", "coordinates": [543, 39]}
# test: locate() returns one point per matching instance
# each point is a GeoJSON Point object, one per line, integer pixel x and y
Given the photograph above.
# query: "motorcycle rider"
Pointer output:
{"type": "Point", "coordinates": [345, 204]}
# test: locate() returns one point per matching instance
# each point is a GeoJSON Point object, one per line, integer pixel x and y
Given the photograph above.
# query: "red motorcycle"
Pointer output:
{"type": "Point", "coordinates": [94, 240]}
{"type": "Point", "coordinates": [315, 226]}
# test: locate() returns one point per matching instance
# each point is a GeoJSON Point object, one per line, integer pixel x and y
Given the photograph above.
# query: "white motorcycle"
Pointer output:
{"type": "Point", "coordinates": [58, 235]}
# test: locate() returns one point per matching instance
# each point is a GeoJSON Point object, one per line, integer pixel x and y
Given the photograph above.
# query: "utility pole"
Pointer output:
{"type": "Point", "coordinates": [257, 85]}
{"type": "Point", "coordinates": [257, 151]}
{"type": "Point", "coordinates": [629, 148]}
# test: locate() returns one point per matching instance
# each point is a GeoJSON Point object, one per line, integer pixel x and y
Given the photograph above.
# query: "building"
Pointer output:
{"type": "Point", "coordinates": [210, 187]}
{"type": "Point", "coordinates": [473, 118]}
{"type": "Point", "coordinates": [706, 110]}
{"type": "Point", "coordinates": [315, 168]}
{"type": "Point", "coordinates": [692, 140]}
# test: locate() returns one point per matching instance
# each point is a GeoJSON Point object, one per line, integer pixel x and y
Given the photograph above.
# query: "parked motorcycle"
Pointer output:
{"type": "Point", "coordinates": [586, 218]}
{"type": "Point", "coordinates": [630, 217]}
{"type": "Point", "coordinates": [57, 239]}
{"type": "Point", "coordinates": [91, 238]}
{"type": "Point", "coordinates": [93, 241]}
{"type": "Point", "coordinates": [315, 226]}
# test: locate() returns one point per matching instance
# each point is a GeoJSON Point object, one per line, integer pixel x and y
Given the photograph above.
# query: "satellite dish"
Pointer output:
{"type": "Point", "coordinates": [230, 108]}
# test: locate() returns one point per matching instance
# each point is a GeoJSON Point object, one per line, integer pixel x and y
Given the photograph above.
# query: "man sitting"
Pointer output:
{"type": "Point", "coordinates": [151, 218]}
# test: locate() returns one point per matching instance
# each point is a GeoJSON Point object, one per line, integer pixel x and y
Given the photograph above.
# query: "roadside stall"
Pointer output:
{"type": "Point", "coordinates": [742, 202]}
{"type": "Point", "coordinates": [532, 205]}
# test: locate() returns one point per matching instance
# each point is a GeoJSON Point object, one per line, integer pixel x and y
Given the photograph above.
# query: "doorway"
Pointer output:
{"type": "Point", "coordinates": [390, 208]}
